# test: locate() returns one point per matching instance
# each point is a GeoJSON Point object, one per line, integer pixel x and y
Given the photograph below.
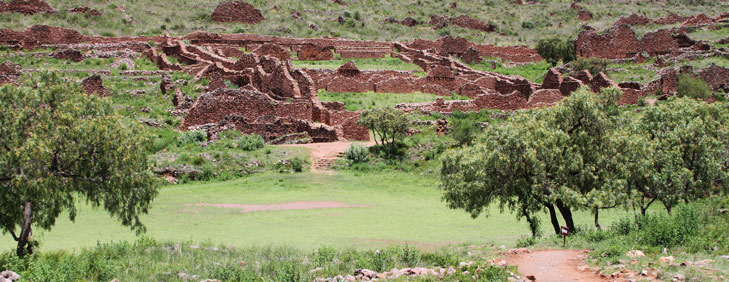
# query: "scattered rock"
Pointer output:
{"type": "Point", "coordinates": [668, 259]}
{"type": "Point", "coordinates": [635, 254]}
{"type": "Point", "coordinates": [584, 15]}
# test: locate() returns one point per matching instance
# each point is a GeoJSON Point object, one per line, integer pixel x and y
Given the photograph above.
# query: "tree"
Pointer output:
{"type": "Point", "coordinates": [555, 50]}
{"type": "Point", "coordinates": [509, 164]}
{"type": "Point", "coordinates": [561, 157]}
{"type": "Point", "coordinates": [58, 145]}
{"type": "Point", "coordinates": [388, 126]}
{"type": "Point", "coordinates": [689, 141]}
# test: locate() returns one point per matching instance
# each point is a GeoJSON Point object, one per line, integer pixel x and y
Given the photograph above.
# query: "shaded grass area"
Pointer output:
{"type": "Point", "coordinates": [401, 208]}
{"type": "Point", "coordinates": [371, 100]}
{"type": "Point", "coordinates": [387, 63]}
{"type": "Point", "coordinates": [149, 260]}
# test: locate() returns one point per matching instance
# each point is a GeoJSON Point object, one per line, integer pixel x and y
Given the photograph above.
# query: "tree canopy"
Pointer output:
{"type": "Point", "coordinates": [59, 146]}
{"type": "Point", "coordinates": [587, 154]}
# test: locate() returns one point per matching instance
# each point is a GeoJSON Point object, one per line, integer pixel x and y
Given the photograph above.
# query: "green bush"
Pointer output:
{"type": "Point", "coordinates": [297, 164]}
{"type": "Point", "coordinates": [525, 241]}
{"type": "Point", "coordinates": [357, 154]}
{"type": "Point", "coordinates": [693, 87]}
{"type": "Point", "coordinates": [193, 136]}
{"type": "Point", "coordinates": [250, 142]}
{"type": "Point", "coordinates": [593, 65]}
{"type": "Point", "coordinates": [556, 49]}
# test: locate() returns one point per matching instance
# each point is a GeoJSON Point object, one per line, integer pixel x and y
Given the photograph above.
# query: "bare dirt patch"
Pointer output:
{"type": "Point", "coordinates": [554, 265]}
{"type": "Point", "coordinates": [280, 207]}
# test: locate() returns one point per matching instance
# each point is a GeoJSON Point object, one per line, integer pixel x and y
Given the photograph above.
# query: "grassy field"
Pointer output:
{"type": "Point", "coordinates": [516, 24]}
{"type": "Point", "coordinates": [371, 100]}
{"type": "Point", "coordinates": [387, 63]}
{"type": "Point", "coordinates": [401, 208]}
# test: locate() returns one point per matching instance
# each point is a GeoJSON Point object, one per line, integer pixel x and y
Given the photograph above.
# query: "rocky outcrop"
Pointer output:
{"type": "Point", "coordinates": [88, 12]}
{"type": "Point", "coordinates": [584, 15]}
{"type": "Point", "coordinates": [633, 19]}
{"type": "Point", "coordinates": [237, 11]}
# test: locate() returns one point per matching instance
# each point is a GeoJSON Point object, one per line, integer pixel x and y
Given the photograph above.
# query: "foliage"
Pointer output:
{"type": "Point", "coordinates": [693, 87]}
{"type": "Point", "coordinates": [357, 154]}
{"type": "Point", "coordinates": [250, 142]}
{"type": "Point", "coordinates": [142, 261]}
{"type": "Point", "coordinates": [585, 154]}
{"type": "Point", "coordinates": [464, 127]}
{"type": "Point", "coordinates": [555, 50]}
{"type": "Point", "coordinates": [59, 145]}
{"type": "Point", "coordinates": [387, 125]}
{"type": "Point", "coordinates": [192, 137]}
{"type": "Point", "coordinates": [593, 65]}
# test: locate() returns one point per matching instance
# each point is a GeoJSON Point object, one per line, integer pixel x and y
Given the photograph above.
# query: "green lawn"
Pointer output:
{"type": "Point", "coordinates": [387, 63]}
{"type": "Point", "coordinates": [401, 208]}
{"type": "Point", "coordinates": [370, 100]}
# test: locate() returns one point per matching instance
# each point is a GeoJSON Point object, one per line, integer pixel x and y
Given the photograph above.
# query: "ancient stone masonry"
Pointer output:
{"type": "Point", "coordinates": [273, 100]}
{"type": "Point", "coordinates": [311, 52]}
{"type": "Point", "coordinates": [27, 7]}
{"type": "Point", "coordinates": [633, 19]}
{"type": "Point", "coordinates": [457, 46]}
{"type": "Point", "coordinates": [620, 42]}
{"type": "Point", "coordinates": [39, 35]}
{"type": "Point", "coordinates": [237, 11]}
{"type": "Point", "coordinates": [88, 12]}
{"type": "Point", "coordinates": [409, 22]}
{"type": "Point", "coordinates": [9, 73]}
{"type": "Point", "coordinates": [94, 85]}
{"type": "Point", "coordinates": [584, 15]}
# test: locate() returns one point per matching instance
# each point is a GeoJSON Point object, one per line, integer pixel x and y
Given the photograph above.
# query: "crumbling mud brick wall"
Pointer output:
{"type": "Point", "coordinates": [620, 42]}
{"type": "Point", "coordinates": [28, 7]}
{"type": "Point", "coordinates": [237, 11]}
{"type": "Point", "coordinates": [311, 52]}
{"type": "Point", "coordinates": [94, 85]}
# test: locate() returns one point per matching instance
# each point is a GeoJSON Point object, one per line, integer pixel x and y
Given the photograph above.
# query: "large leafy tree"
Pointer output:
{"type": "Point", "coordinates": [688, 142]}
{"type": "Point", "coordinates": [59, 146]}
{"type": "Point", "coordinates": [562, 157]}
{"type": "Point", "coordinates": [555, 49]}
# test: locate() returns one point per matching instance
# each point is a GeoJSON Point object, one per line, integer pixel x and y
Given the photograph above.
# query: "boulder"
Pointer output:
{"type": "Point", "coordinates": [94, 85]}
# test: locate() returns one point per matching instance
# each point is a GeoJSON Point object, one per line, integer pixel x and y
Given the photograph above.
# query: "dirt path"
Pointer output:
{"type": "Point", "coordinates": [323, 155]}
{"type": "Point", "coordinates": [553, 266]}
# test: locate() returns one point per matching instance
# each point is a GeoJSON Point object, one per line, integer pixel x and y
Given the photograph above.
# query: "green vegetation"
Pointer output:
{"type": "Point", "coordinates": [593, 65]}
{"type": "Point", "coordinates": [388, 127]}
{"type": "Point", "coordinates": [533, 71]}
{"type": "Point", "coordinates": [60, 145]}
{"type": "Point", "coordinates": [587, 155]}
{"type": "Point", "coordinates": [189, 16]}
{"type": "Point", "coordinates": [555, 50]}
{"type": "Point", "coordinates": [693, 87]}
{"type": "Point", "coordinates": [149, 260]}
{"type": "Point", "coordinates": [372, 100]}
{"type": "Point", "coordinates": [386, 63]}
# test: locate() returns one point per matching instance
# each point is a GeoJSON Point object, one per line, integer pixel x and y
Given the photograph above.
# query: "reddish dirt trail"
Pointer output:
{"type": "Point", "coordinates": [553, 266]}
{"type": "Point", "coordinates": [323, 155]}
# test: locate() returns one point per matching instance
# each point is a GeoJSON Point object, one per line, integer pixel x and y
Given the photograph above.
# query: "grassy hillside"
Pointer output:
{"type": "Point", "coordinates": [364, 19]}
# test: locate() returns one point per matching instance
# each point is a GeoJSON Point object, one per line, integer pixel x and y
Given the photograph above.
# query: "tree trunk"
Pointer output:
{"type": "Point", "coordinates": [566, 214]}
{"type": "Point", "coordinates": [24, 245]}
{"type": "Point", "coordinates": [668, 208]}
{"type": "Point", "coordinates": [597, 223]}
{"type": "Point", "coordinates": [533, 224]}
{"type": "Point", "coordinates": [553, 218]}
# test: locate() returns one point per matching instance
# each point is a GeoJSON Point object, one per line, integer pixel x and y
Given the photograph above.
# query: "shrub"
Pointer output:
{"type": "Point", "coordinates": [693, 87]}
{"type": "Point", "coordinates": [594, 65]}
{"type": "Point", "coordinates": [556, 49]}
{"type": "Point", "coordinates": [297, 164]}
{"type": "Point", "coordinates": [525, 241]}
{"type": "Point", "coordinates": [250, 142]}
{"type": "Point", "coordinates": [357, 154]}
{"type": "Point", "coordinates": [527, 25]}
{"type": "Point", "coordinates": [193, 136]}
